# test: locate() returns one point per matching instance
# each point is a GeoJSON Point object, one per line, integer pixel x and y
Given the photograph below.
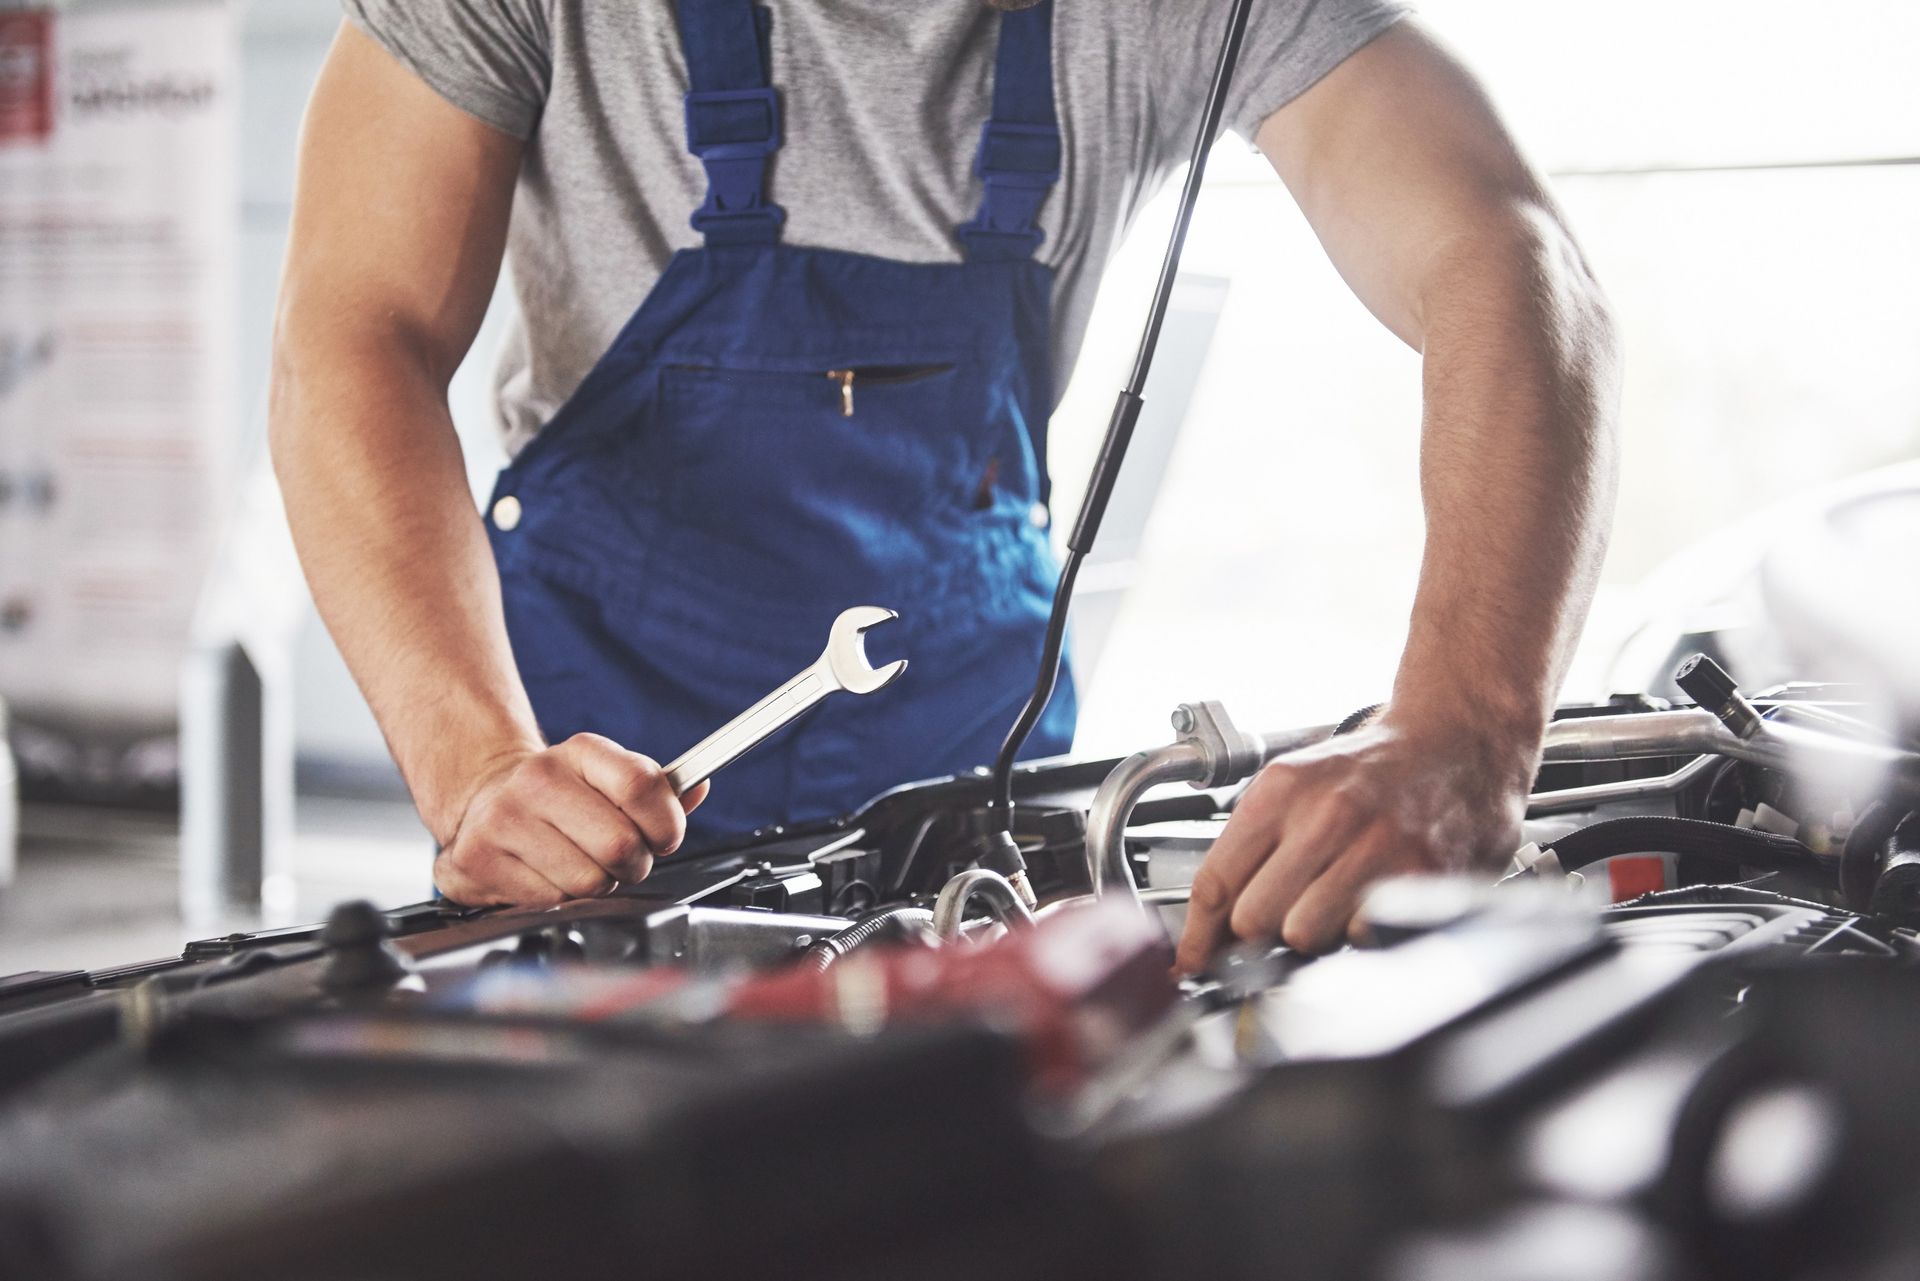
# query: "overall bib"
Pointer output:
{"type": "Point", "coordinates": [779, 433]}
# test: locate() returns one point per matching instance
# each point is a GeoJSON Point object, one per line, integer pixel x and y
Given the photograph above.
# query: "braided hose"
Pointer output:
{"type": "Point", "coordinates": [889, 924]}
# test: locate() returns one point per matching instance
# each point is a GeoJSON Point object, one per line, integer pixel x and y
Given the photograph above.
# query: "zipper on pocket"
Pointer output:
{"type": "Point", "coordinates": [845, 379]}
{"type": "Point", "coordinates": [878, 375]}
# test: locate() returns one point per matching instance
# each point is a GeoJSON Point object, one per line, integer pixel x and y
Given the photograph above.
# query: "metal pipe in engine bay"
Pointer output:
{"type": "Point", "coordinates": [1211, 753]}
{"type": "Point", "coordinates": [1771, 743]}
{"type": "Point", "coordinates": [957, 897]}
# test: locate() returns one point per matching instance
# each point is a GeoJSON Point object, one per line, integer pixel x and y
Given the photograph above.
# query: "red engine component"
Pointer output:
{"type": "Point", "coordinates": [1075, 989]}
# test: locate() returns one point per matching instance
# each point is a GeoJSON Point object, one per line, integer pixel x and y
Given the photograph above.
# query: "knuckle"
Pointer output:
{"type": "Point", "coordinates": [1302, 935]}
{"type": "Point", "coordinates": [1209, 894]}
{"type": "Point", "coordinates": [582, 883]}
{"type": "Point", "coordinates": [588, 743]}
{"type": "Point", "coordinates": [621, 847]}
{"type": "Point", "coordinates": [517, 822]}
{"type": "Point", "coordinates": [644, 780]}
{"type": "Point", "coordinates": [1253, 920]}
{"type": "Point", "coordinates": [465, 856]}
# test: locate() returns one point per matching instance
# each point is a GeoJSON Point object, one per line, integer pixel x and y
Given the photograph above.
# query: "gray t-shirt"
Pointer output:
{"type": "Point", "coordinates": [883, 102]}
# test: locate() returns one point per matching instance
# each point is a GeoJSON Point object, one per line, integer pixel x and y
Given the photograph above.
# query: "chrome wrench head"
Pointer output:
{"type": "Point", "coordinates": [846, 656]}
{"type": "Point", "coordinates": [843, 666]}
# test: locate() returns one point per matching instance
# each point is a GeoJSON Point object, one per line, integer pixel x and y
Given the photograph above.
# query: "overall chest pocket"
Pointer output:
{"type": "Point", "coordinates": [823, 445]}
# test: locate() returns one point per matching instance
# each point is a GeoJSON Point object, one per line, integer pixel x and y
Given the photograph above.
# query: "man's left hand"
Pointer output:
{"type": "Point", "coordinates": [1316, 828]}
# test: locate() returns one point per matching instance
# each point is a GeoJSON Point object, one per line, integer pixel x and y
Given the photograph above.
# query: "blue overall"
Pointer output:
{"type": "Point", "coordinates": [779, 433]}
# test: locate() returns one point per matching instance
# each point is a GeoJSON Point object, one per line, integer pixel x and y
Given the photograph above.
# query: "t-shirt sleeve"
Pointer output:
{"type": "Point", "coordinates": [1289, 46]}
{"type": "Point", "coordinates": [490, 58]}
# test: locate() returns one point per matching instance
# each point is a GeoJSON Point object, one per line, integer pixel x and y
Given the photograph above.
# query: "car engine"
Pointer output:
{"type": "Point", "coordinates": [1673, 1042]}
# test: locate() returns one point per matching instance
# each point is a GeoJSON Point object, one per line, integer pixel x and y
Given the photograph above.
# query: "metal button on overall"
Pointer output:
{"type": "Point", "coordinates": [782, 432]}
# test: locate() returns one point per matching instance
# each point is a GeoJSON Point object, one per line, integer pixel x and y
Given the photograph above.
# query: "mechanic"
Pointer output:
{"type": "Point", "coordinates": [856, 307]}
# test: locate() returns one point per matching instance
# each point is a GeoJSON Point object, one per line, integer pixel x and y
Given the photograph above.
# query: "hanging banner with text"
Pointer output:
{"type": "Point", "coordinates": [118, 247]}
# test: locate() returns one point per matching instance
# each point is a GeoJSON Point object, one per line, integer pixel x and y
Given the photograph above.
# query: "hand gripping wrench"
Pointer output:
{"type": "Point", "coordinates": [843, 666]}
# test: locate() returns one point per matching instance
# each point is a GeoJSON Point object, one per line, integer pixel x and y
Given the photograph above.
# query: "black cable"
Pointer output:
{"type": "Point", "coordinates": [1042, 691]}
{"type": "Point", "coordinates": [1190, 191]}
{"type": "Point", "coordinates": [887, 924]}
{"type": "Point", "coordinates": [1645, 834]}
{"type": "Point", "coordinates": [1126, 414]}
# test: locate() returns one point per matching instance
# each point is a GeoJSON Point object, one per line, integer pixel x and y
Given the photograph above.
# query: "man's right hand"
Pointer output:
{"type": "Point", "coordinates": [564, 822]}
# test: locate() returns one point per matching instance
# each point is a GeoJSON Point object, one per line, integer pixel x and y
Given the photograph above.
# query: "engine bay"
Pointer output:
{"type": "Point", "coordinates": [1670, 1043]}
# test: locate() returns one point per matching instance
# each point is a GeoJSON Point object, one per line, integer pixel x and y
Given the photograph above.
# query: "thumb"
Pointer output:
{"type": "Point", "coordinates": [691, 798]}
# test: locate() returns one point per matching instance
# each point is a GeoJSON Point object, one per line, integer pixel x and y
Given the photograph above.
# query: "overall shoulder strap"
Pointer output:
{"type": "Point", "coordinates": [1019, 156]}
{"type": "Point", "coordinates": [733, 117]}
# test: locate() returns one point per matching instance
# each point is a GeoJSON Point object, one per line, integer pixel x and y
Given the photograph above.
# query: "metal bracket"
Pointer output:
{"type": "Point", "coordinates": [1231, 753]}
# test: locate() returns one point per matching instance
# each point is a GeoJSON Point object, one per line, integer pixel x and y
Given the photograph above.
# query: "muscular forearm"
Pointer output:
{"type": "Point", "coordinates": [399, 223]}
{"type": "Point", "coordinates": [377, 497]}
{"type": "Point", "coordinates": [1449, 237]}
{"type": "Point", "coordinates": [1517, 477]}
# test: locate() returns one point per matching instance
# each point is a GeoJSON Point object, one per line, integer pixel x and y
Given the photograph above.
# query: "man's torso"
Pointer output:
{"type": "Point", "coordinates": [882, 104]}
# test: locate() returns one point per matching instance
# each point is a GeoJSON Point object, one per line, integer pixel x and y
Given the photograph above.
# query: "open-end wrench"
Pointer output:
{"type": "Point", "coordinates": [843, 666]}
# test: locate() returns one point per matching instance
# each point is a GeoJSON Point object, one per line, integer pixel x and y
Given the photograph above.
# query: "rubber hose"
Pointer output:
{"type": "Point", "coordinates": [1689, 836]}
{"type": "Point", "coordinates": [888, 924]}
